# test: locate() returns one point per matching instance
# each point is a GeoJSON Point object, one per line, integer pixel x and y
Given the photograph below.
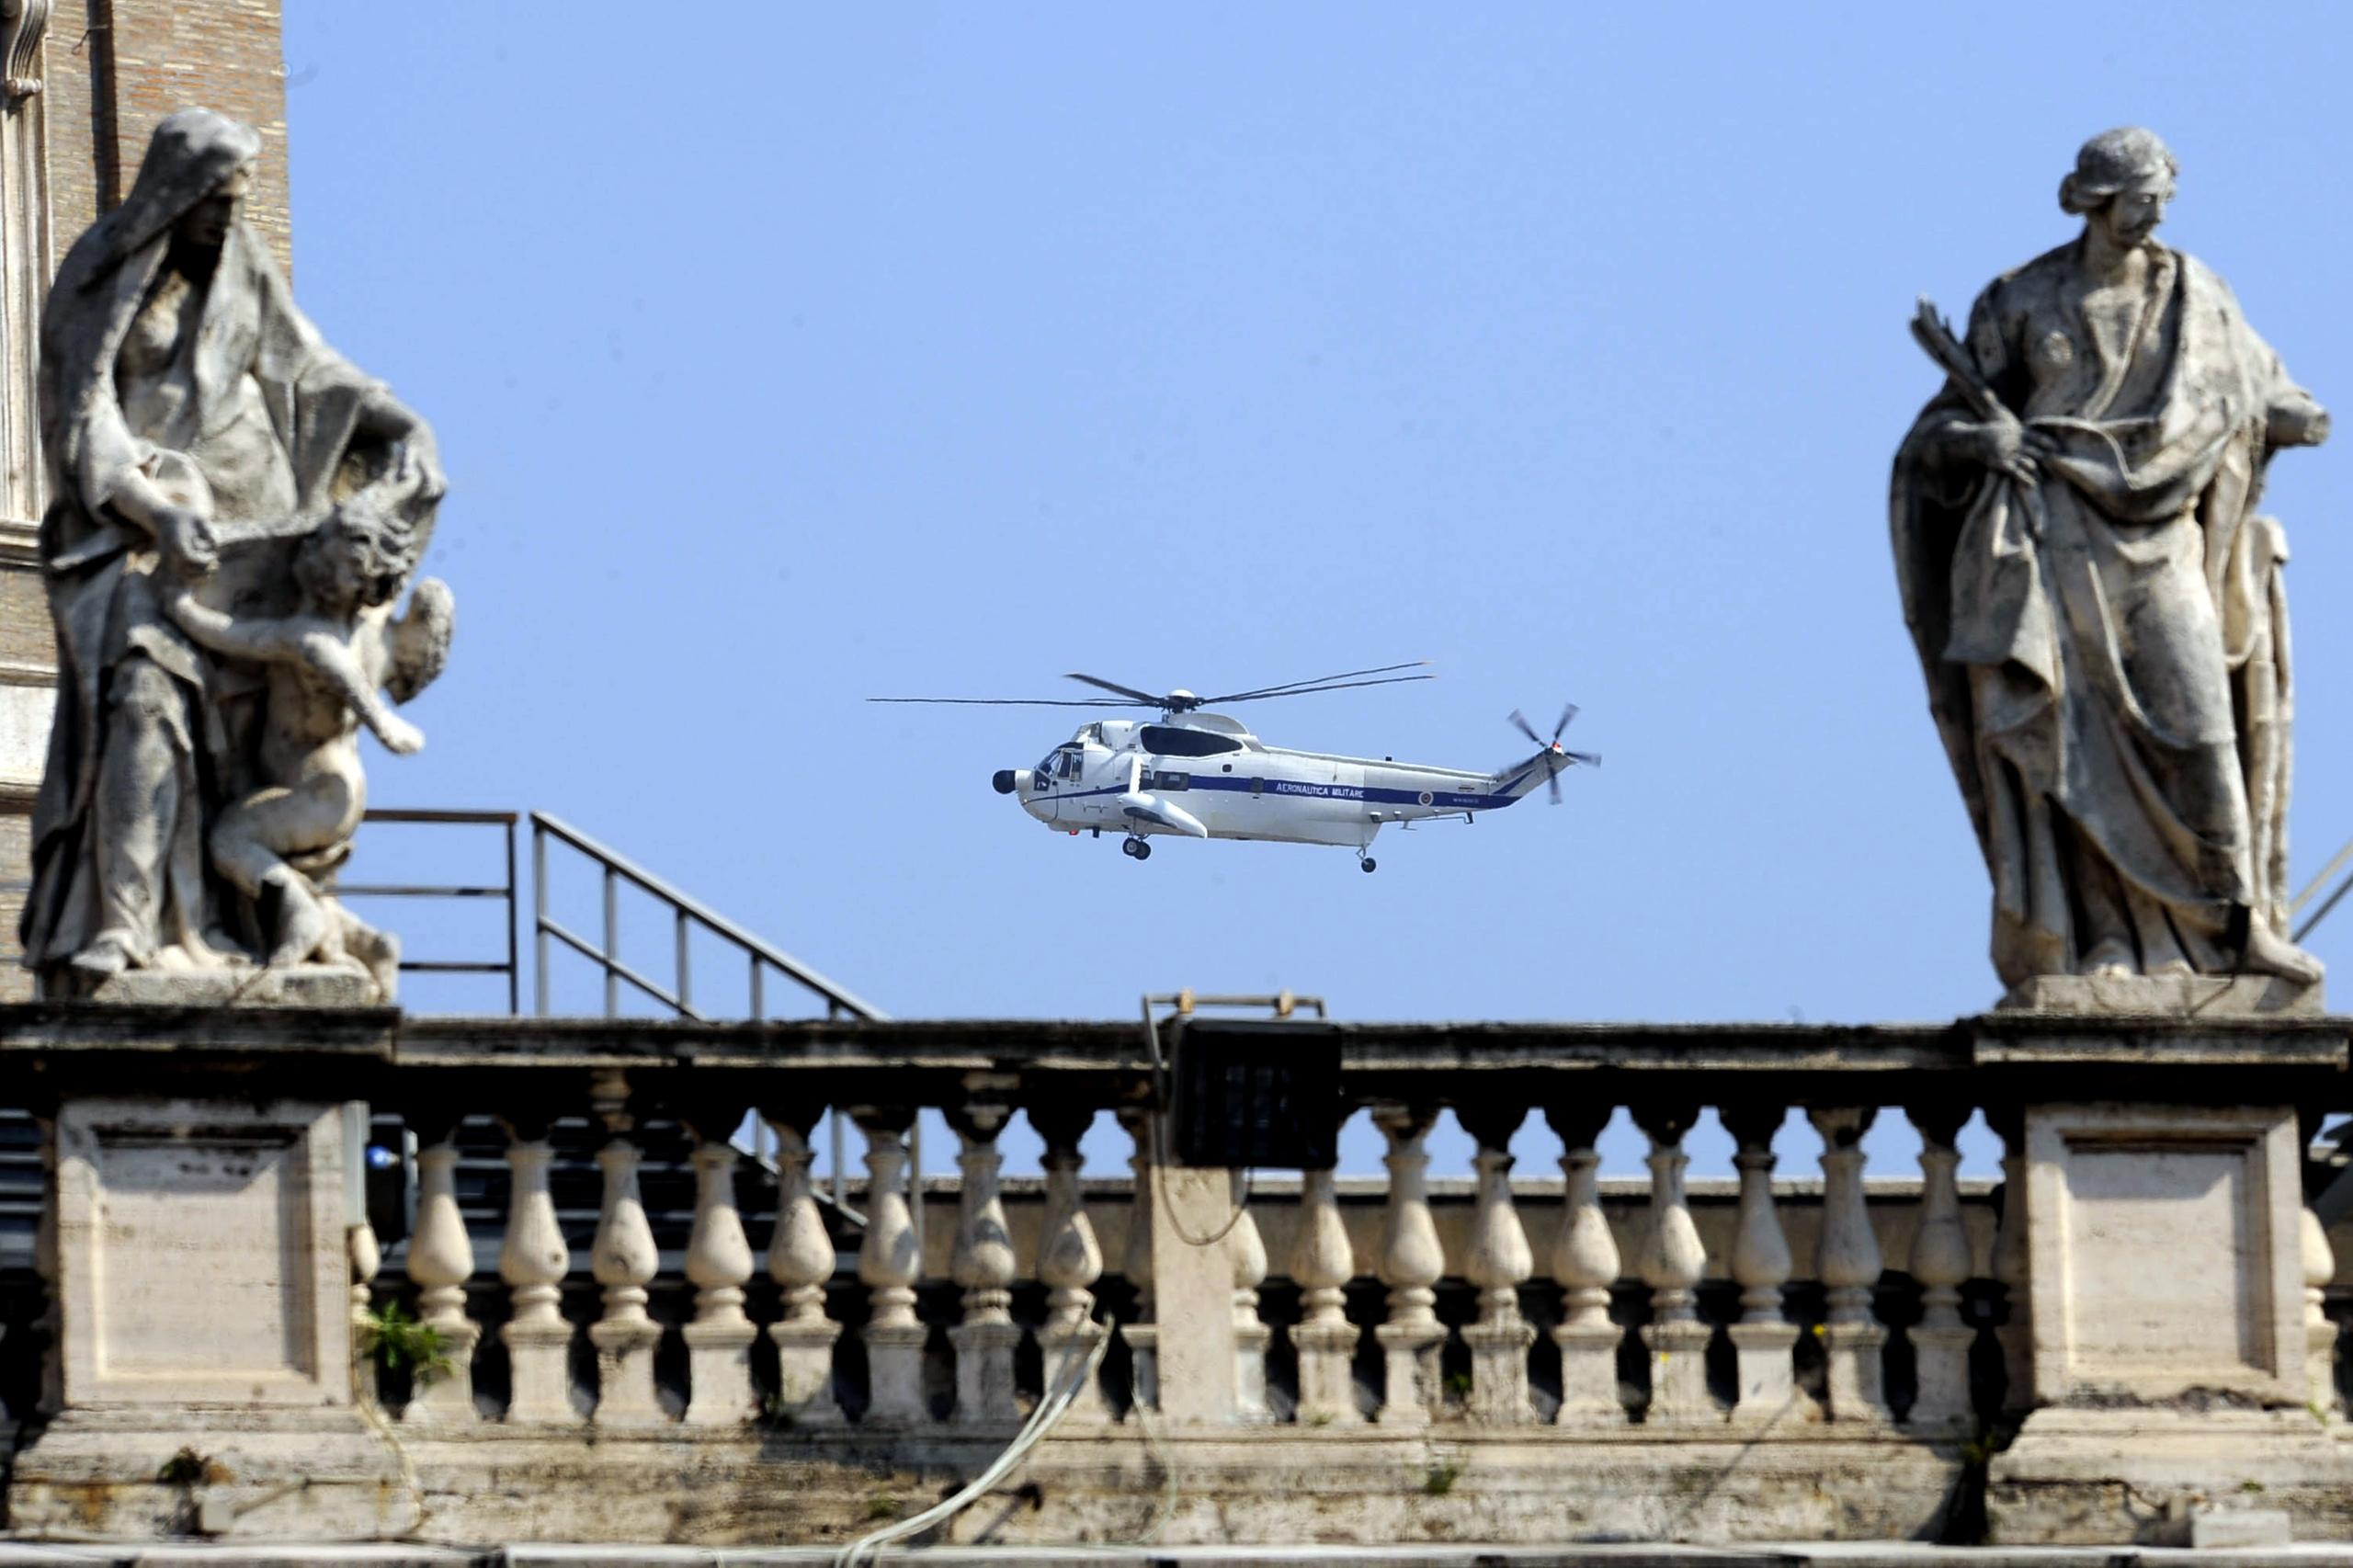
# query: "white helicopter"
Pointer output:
{"type": "Point", "coordinates": [1200, 775]}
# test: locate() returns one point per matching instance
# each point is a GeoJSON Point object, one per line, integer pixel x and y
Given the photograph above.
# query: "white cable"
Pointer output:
{"type": "Point", "coordinates": [1042, 1421]}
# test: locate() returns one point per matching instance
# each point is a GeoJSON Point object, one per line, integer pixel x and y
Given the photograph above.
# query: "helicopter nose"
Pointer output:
{"type": "Point", "coordinates": [1003, 781]}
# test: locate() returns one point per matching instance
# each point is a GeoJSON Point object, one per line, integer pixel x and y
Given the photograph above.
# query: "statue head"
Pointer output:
{"type": "Point", "coordinates": [195, 175]}
{"type": "Point", "coordinates": [358, 558]}
{"type": "Point", "coordinates": [2121, 181]}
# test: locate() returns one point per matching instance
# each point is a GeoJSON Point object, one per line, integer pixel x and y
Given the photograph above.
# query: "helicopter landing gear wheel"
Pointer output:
{"type": "Point", "coordinates": [1136, 849]}
{"type": "Point", "coordinates": [1367, 863]}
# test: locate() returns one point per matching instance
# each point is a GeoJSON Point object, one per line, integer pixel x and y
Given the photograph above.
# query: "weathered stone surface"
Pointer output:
{"type": "Point", "coordinates": [2166, 1255]}
{"type": "Point", "coordinates": [2175, 995]}
{"type": "Point", "coordinates": [244, 986]}
{"type": "Point", "coordinates": [221, 556]}
{"type": "Point", "coordinates": [2100, 610]}
{"type": "Point", "coordinates": [202, 1249]}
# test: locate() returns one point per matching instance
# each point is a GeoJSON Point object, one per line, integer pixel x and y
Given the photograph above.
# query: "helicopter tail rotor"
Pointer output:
{"type": "Point", "coordinates": [1550, 755]}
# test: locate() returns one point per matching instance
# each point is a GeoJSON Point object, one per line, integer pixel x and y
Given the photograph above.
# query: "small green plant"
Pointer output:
{"type": "Point", "coordinates": [1459, 1384]}
{"type": "Point", "coordinates": [188, 1468]}
{"type": "Point", "coordinates": [1320, 1418]}
{"type": "Point", "coordinates": [2250, 1486]}
{"type": "Point", "coordinates": [1439, 1479]}
{"type": "Point", "coordinates": [881, 1505]}
{"type": "Point", "coordinates": [397, 1340]}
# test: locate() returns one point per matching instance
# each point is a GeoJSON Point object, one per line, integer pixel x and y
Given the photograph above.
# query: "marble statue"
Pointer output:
{"type": "Point", "coordinates": [2098, 601]}
{"type": "Point", "coordinates": [235, 511]}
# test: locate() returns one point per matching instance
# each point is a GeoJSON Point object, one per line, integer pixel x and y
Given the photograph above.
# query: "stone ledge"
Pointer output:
{"type": "Point", "coordinates": [2166, 997]}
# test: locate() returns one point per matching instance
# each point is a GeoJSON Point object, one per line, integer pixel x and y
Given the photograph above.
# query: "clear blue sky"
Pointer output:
{"type": "Point", "coordinates": [784, 355]}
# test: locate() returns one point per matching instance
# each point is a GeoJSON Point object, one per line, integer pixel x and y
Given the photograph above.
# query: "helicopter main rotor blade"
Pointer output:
{"type": "Point", "coordinates": [1566, 715]}
{"type": "Point", "coordinates": [1284, 687]}
{"type": "Point", "coordinates": [1127, 692]}
{"type": "Point", "coordinates": [1526, 728]}
{"type": "Point", "coordinates": [1310, 692]}
{"type": "Point", "coordinates": [1553, 778]}
{"type": "Point", "coordinates": [1018, 701]}
{"type": "Point", "coordinates": [1590, 758]}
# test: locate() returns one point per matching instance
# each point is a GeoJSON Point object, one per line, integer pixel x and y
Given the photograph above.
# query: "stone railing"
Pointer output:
{"type": "Point", "coordinates": [1805, 1354]}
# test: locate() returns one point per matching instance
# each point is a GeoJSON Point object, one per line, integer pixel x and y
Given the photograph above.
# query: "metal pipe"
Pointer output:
{"type": "Point", "coordinates": [612, 942]}
{"type": "Point", "coordinates": [686, 979]}
{"type": "Point", "coordinates": [513, 918]}
{"type": "Point", "coordinates": [539, 916]}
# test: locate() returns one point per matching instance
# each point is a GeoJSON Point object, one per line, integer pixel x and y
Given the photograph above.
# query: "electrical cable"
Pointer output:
{"type": "Point", "coordinates": [1042, 1421]}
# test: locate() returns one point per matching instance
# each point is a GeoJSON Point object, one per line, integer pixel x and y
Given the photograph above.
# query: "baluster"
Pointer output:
{"type": "Point", "coordinates": [1142, 1332]}
{"type": "Point", "coordinates": [440, 1261]}
{"type": "Point", "coordinates": [2011, 1263]}
{"type": "Point", "coordinates": [1322, 1262]}
{"type": "Point", "coordinates": [1848, 1266]}
{"type": "Point", "coordinates": [1673, 1263]}
{"type": "Point", "coordinates": [1763, 1340]}
{"type": "Point", "coordinates": [982, 1264]}
{"type": "Point", "coordinates": [719, 1262]}
{"type": "Point", "coordinates": [1500, 1261]}
{"type": "Point", "coordinates": [1941, 1262]}
{"type": "Point", "coordinates": [1412, 1262]}
{"type": "Point", "coordinates": [1251, 1335]}
{"type": "Point", "coordinates": [802, 1259]}
{"type": "Point", "coordinates": [2320, 1334]}
{"type": "Point", "coordinates": [366, 1256]}
{"type": "Point", "coordinates": [1585, 1262]}
{"type": "Point", "coordinates": [533, 1261]}
{"type": "Point", "coordinates": [1069, 1260]}
{"type": "Point", "coordinates": [625, 1260]}
{"type": "Point", "coordinates": [888, 1263]}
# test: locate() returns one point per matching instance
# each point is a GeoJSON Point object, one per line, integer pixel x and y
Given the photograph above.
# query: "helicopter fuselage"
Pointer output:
{"type": "Point", "coordinates": [1204, 776]}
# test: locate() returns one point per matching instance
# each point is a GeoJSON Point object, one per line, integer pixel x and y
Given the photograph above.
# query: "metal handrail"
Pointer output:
{"type": "Point", "coordinates": [512, 968]}
{"type": "Point", "coordinates": [686, 913]}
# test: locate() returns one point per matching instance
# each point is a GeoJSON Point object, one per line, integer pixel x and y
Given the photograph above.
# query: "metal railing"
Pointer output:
{"type": "Point", "coordinates": [511, 967]}
{"type": "Point", "coordinates": [685, 916]}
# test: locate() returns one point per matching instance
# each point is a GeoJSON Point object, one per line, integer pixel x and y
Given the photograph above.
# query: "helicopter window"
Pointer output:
{"type": "Point", "coordinates": [1172, 780]}
{"type": "Point", "coordinates": [1168, 740]}
{"type": "Point", "coordinates": [1258, 786]}
{"type": "Point", "coordinates": [1070, 764]}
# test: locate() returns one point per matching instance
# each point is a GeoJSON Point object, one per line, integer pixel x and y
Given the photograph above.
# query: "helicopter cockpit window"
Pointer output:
{"type": "Point", "coordinates": [1168, 740]}
{"type": "Point", "coordinates": [1069, 756]}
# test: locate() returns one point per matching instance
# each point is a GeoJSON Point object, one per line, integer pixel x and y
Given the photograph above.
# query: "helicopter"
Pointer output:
{"type": "Point", "coordinates": [1193, 774]}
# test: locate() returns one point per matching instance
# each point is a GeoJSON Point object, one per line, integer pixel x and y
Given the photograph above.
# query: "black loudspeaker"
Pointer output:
{"type": "Point", "coordinates": [1260, 1093]}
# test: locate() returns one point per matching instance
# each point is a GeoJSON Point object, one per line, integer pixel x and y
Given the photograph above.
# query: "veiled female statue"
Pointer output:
{"type": "Point", "coordinates": [2097, 603]}
{"type": "Point", "coordinates": [197, 433]}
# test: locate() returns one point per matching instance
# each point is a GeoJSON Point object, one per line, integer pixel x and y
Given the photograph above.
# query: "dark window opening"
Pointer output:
{"type": "Point", "coordinates": [1167, 740]}
{"type": "Point", "coordinates": [1172, 780]}
{"type": "Point", "coordinates": [1258, 786]}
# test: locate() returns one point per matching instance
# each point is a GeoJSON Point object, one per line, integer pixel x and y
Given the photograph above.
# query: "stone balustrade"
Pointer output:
{"type": "Point", "coordinates": [1472, 1320]}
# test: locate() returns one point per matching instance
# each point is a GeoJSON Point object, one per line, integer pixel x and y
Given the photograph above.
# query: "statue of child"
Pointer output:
{"type": "Point", "coordinates": [327, 663]}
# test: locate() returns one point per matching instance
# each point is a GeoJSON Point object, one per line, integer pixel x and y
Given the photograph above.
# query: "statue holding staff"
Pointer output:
{"type": "Point", "coordinates": [2097, 603]}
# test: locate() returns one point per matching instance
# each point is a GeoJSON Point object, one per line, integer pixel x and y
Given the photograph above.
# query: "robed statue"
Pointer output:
{"type": "Point", "coordinates": [2098, 601]}
{"type": "Point", "coordinates": [234, 510]}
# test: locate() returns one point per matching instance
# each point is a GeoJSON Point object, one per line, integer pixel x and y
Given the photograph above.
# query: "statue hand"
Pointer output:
{"type": "Point", "coordinates": [2002, 444]}
{"type": "Point", "coordinates": [188, 542]}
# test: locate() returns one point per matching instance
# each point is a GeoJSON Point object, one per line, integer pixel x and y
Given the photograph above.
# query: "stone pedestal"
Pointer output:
{"type": "Point", "coordinates": [205, 1360]}
{"type": "Point", "coordinates": [2166, 1302]}
{"type": "Point", "coordinates": [2200, 995]}
{"type": "Point", "coordinates": [1192, 1285]}
{"type": "Point", "coordinates": [297, 985]}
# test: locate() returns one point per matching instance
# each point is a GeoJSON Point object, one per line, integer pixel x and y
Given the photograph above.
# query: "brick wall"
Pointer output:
{"type": "Point", "coordinates": [117, 66]}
